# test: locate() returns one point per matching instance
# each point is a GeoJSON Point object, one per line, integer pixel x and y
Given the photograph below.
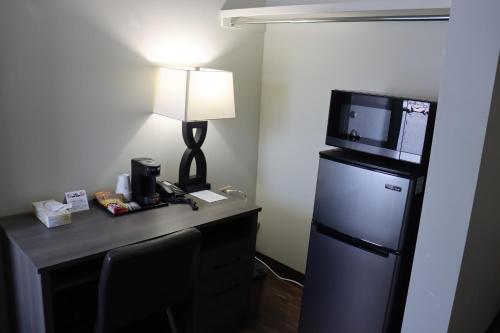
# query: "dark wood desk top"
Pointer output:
{"type": "Point", "coordinates": [95, 232]}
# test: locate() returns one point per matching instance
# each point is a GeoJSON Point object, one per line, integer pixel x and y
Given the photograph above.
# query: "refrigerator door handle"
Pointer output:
{"type": "Point", "coordinates": [356, 242]}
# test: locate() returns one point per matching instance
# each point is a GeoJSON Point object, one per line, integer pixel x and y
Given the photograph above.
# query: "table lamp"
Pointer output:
{"type": "Point", "coordinates": [194, 96]}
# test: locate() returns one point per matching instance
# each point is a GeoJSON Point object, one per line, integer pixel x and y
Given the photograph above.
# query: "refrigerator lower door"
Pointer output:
{"type": "Point", "coordinates": [365, 204]}
{"type": "Point", "coordinates": [347, 288]}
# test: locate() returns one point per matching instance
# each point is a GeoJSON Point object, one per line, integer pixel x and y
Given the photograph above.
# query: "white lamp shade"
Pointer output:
{"type": "Point", "coordinates": [190, 95]}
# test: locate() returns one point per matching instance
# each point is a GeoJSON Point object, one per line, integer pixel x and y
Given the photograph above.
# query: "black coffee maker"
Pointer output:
{"type": "Point", "coordinates": [144, 173]}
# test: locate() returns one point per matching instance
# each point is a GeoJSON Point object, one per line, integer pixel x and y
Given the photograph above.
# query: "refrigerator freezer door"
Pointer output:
{"type": "Point", "coordinates": [361, 203]}
{"type": "Point", "coordinates": [347, 289]}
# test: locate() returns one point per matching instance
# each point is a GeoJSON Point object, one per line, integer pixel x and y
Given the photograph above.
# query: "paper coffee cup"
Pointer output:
{"type": "Point", "coordinates": [123, 186]}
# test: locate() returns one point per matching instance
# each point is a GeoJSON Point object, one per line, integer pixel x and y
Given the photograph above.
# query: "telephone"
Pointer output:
{"type": "Point", "coordinates": [168, 190]}
{"type": "Point", "coordinates": [173, 194]}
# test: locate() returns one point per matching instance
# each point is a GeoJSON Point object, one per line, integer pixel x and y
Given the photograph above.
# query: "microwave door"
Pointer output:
{"type": "Point", "coordinates": [365, 129]}
{"type": "Point", "coordinates": [367, 123]}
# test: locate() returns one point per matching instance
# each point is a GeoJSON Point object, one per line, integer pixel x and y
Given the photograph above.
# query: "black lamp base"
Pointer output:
{"type": "Point", "coordinates": [197, 182]}
{"type": "Point", "coordinates": [194, 187]}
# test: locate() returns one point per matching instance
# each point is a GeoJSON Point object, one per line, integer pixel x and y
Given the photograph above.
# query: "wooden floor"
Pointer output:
{"type": "Point", "coordinates": [279, 308]}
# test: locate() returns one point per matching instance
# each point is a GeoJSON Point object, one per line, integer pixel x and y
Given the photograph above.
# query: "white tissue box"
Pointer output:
{"type": "Point", "coordinates": [49, 218]}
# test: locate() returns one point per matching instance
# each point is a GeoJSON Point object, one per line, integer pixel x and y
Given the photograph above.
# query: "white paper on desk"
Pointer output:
{"type": "Point", "coordinates": [208, 196]}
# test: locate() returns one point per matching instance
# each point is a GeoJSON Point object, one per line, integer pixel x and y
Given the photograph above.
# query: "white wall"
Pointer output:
{"type": "Point", "coordinates": [448, 213]}
{"type": "Point", "coordinates": [76, 92]}
{"type": "Point", "coordinates": [477, 299]}
{"type": "Point", "coordinates": [302, 64]}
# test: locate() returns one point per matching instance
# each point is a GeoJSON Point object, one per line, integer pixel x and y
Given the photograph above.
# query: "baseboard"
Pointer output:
{"type": "Point", "coordinates": [281, 269]}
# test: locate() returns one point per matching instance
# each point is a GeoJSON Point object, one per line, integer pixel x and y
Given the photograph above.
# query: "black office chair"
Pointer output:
{"type": "Point", "coordinates": [150, 278]}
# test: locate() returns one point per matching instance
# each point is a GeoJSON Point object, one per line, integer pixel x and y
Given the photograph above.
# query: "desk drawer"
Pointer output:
{"type": "Point", "coordinates": [73, 276]}
{"type": "Point", "coordinates": [227, 259]}
{"type": "Point", "coordinates": [215, 289]}
{"type": "Point", "coordinates": [224, 305]}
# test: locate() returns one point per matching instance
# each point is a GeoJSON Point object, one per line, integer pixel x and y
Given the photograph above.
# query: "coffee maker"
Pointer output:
{"type": "Point", "coordinates": [144, 173]}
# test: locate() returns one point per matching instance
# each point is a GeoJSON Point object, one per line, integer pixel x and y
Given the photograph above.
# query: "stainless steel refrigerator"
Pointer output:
{"type": "Point", "coordinates": [361, 246]}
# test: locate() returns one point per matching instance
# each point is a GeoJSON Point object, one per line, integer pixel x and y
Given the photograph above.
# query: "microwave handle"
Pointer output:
{"type": "Point", "coordinates": [354, 135]}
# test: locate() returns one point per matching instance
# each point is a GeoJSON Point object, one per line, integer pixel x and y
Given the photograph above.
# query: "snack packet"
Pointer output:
{"type": "Point", "coordinates": [113, 202]}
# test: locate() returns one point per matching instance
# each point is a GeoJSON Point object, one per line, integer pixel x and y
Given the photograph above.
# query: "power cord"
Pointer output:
{"type": "Point", "coordinates": [279, 276]}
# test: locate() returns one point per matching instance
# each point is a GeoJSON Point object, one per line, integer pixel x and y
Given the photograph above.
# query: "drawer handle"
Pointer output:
{"type": "Point", "coordinates": [229, 263]}
{"type": "Point", "coordinates": [227, 290]}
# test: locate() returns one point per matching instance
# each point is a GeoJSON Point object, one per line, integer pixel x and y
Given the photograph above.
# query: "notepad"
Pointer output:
{"type": "Point", "coordinates": [208, 196]}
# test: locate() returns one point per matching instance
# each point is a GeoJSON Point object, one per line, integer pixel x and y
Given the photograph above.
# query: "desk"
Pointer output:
{"type": "Point", "coordinates": [54, 272]}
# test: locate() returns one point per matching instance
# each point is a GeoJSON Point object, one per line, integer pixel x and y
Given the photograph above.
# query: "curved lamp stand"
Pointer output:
{"type": "Point", "coordinates": [198, 181]}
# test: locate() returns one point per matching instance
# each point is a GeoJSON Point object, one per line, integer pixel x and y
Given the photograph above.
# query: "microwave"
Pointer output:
{"type": "Point", "coordinates": [395, 127]}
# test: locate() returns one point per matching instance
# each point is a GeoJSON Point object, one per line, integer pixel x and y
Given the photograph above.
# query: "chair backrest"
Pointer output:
{"type": "Point", "coordinates": [146, 278]}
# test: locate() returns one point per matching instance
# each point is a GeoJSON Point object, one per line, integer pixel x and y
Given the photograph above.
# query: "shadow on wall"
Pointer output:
{"type": "Point", "coordinates": [74, 97]}
{"type": "Point", "coordinates": [293, 222]}
{"type": "Point", "coordinates": [225, 133]}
